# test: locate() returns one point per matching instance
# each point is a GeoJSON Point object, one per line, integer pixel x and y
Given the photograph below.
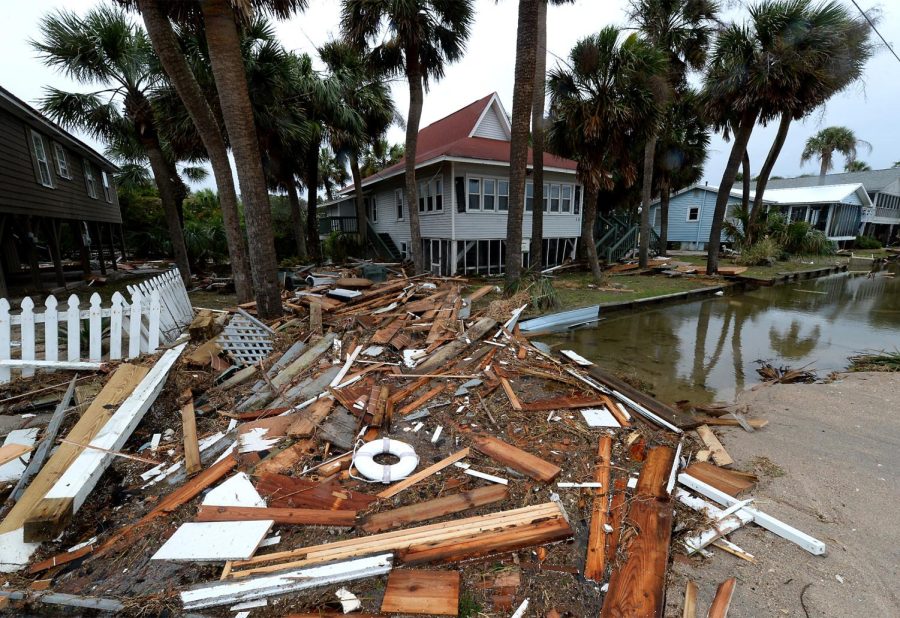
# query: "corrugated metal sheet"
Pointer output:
{"type": "Point", "coordinates": [561, 320]}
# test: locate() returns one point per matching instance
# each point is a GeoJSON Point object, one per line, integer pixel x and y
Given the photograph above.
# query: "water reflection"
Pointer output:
{"type": "Point", "coordinates": [706, 350]}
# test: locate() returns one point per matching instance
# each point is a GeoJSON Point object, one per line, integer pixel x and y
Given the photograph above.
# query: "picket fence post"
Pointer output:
{"type": "Point", "coordinates": [51, 329]}
{"type": "Point", "coordinates": [73, 325]}
{"type": "Point", "coordinates": [134, 326]}
{"type": "Point", "coordinates": [95, 335]}
{"type": "Point", "coordinates": [115, 327]}
{"type": "Point", "coordinates": [4, 338]}
{"type": "Point", "coordinates": [26, 328]}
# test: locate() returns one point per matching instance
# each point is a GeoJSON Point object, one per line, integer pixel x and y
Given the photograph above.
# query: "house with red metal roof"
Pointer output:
{"type": "Point", "coordinates": [462, 167]}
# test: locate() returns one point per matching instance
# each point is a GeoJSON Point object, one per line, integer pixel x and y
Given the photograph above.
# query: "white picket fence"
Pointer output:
{"type": "Point", "coordinates": [158, 312]}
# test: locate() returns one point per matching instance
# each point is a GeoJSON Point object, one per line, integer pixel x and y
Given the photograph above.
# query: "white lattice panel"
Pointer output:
{"type": "Point", "coordinates": [246, 339]}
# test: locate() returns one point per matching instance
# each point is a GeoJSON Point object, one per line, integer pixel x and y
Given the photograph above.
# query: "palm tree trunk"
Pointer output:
{"type": "Point", "coordinates": [312, 187]}
{"type": "Point", "coordinates": [523, 89]}
{"type": "Point", "coordinates": [231, 83]}
{"type": "Point", "coordinates": [166, 186]}
{"type": "Point", "coordinates": [581, 252]}
{"type": "Point", "coordinates": [185, 83]}
{"type": "Point", "coordinates": [416, 102]}
{"type": "Point", "coordinates": [361, 221]}
{"type": "Point", "coordinates": [587, 234]}
{"type": "Point", "coordinates": [665, 194]}
{"type": "Point", "coordinates": [538, 100]}
{"type": "Point", "coordinates": [738, 147]}
{"type": "Point", "coordinates": [745, 181]}
{"type": "Point", "coordinates": [757, 215]}
{"type": "Point", "coordinates": [646, 196]}
{"type": "Point", "coordinates": [296, 217]}
{"type": "Point", "coordinates": [825, 164]}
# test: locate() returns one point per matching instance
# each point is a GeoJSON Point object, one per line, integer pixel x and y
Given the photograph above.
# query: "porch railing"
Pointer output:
{"type": "Point", "coordinates": [347, 225]}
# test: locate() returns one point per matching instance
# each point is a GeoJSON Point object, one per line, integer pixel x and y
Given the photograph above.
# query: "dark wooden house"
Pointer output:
{"type": "Point", "coordinates": [52, 186]}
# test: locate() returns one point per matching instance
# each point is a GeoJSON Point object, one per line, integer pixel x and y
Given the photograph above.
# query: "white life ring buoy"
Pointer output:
{"type": "Point", "coordinates": [364, 460]}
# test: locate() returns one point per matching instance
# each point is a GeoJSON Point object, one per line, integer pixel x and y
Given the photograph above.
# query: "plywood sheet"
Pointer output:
{"type": "Point", "coordinates": [214, 541]}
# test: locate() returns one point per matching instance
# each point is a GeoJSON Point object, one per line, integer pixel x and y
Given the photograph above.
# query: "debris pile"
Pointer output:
{"type": "Point", "coordinates": [387, 447]}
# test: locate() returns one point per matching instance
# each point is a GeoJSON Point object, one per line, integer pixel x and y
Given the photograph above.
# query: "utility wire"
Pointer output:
{"type": "Point", "coordinates": [871, 23]}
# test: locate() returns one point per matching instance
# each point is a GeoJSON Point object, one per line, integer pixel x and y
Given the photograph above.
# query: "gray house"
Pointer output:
{"type": "Point", "coordinates": [881, 219]}
{"type": "Point", "coordinates": [462, 168]}
{"type": "Point", "coordinates": [50, 181]}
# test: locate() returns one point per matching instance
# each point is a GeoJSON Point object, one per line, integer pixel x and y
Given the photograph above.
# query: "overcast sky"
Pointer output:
{"type": "Point", "coordinates": [869, 108]}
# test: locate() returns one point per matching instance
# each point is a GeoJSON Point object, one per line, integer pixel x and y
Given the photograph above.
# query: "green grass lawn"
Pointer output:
{"type": "Point", "coordinates": [807, 262]}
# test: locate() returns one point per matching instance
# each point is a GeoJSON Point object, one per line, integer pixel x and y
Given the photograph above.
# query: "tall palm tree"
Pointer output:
{"type": "Point", "coordinates": [104, 48]}
{"type": "Point", "coordinates": [538, 102]}
{"type": "Point", "coordinates": [602, 103]}
{"type": "Point", "coordinates": [379, 154]}
{"type": "Point", "coordinates": [857, 166]}
{"type": "Point", "coordinates": [826, 142]}
{"type": "Point", "coordinates": [197, 105]}
{"type": "Point", "coordinates": [416, 38]}
{"type": "Point", "coordinates": [827, 55]}
{"type": "Point", "coordinates": [682, 30]}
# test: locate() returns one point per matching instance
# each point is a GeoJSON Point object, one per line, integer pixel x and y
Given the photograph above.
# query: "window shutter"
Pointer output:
{"type": "Point", "coordinates": [460, 182]}
{"type": "Point", "coordinates": [34, 160]}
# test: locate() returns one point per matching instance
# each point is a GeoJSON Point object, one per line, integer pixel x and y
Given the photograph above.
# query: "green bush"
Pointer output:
{"type": "Point", "coordinates": [763, 253]}
{"type": "Point", "coordinates": [867, 242]}
{"type": "Point", "coordinates": [338, 246]}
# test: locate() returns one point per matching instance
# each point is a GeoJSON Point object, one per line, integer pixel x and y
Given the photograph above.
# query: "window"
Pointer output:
{"type": "Point", "coordinates": [438, 190]}
{"type": "Point", "coordinates": [89, 180]}
{"type": "Point", "coordinates": [40, 155]}
{"type": "Point", "coordinates": [107, 190]}
{"type": "Point", "coordinates": [422, 194]}
{"type": "Point", "coordinates": [474, 194]}
{"type": "Point", "coordinates": [404, 250]}
{"type": "Point", "coordinates": [567, 198]}
{"type": "Point", "coordinates": [554, 198]}
{"type": "Point", "coordinates": [62, 164]}
{"type": "Point", "coordinates": [503, 195]}
{"type": "Point", "coordinates": [490, 187]}
{"type": "Point", "coordinates": [693, 213]}
{"type": "Point", "coordinates": [372, 209]}
{"type": "Point", "coordinates": [577, 208]}
{"type": "Point", "coordinates": [398, 202]}
{"type": "Point", "coordinates": [529, 197]}
{"type": "Point", "coordinates": [546, 197]}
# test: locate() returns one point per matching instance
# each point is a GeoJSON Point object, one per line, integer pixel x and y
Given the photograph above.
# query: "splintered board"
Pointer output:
{"type": "Point", "coordinates": [516, 458]}
{"type": "Point", "coordinates": [434, 593]}
{"type": "Point", "coordinates": [289, 492]}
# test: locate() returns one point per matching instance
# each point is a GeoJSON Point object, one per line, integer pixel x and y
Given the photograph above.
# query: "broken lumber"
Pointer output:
{"type": "Point", "coordinates": [722, 600]}
{"type": "Point", "coordinates": [9, 452]}
{"type": "Point", "coordinates": [290, 492]}
{"type": "Point", "coordinates": [423, 511]}
{"type": "Point", "coordinates": [718, 452]}
{"type": "Point", "coordinates": [393, 490]}
{"type": "Point", "coordinates": [189, 427]}
{"type": "Point", "coordinates": [510, 394]}
{"type": "Point", "coordinates": [650, 403]}
{"type": "Point", "coordinates": [422, 592]}
{"type": "Point", "coordinates": [637, 587]}
{"type": "Point", "coordinates": [54, 511]}
{"type": "Point", "coordinates": [732, 482]}
{"type": "Point", "coordinates": [305, 361]}
{"type": "Point", "coordinates": [309, 419]}
{"type": "Point", "coordinates": [450, 351]}
{"type": "Point", "coordinates": [690, 600]}
{"type": "Point", "coordinates": [516, 458]}
{"type": "Point", "coordinates": [595, 563]}
{"type": "Point", "coordinates": [309, 517]}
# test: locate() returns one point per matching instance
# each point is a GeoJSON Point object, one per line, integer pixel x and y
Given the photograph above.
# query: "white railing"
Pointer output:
{"type": "Point", "coordinates": [158, 312]}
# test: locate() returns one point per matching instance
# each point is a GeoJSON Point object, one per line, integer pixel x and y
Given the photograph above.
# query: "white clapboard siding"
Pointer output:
{"type": "Point", "coordinates": [158, 312]}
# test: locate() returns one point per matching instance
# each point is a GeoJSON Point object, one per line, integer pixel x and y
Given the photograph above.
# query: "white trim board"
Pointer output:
{"type": "Point", "coordinates": [214, 541]}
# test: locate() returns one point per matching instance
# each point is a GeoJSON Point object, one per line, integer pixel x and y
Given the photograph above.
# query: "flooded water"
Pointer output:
{"type": "Point", "coordinates": [706, 350]}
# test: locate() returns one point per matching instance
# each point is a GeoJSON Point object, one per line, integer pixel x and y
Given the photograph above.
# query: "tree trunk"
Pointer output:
{"type": "Point", "coordinates": [523, 89]}
{"type": "Point", "coordinates": [538, 100]}
{"type": "Point", "coordinates": [758, 214]}
{"type": "Point", "coordinates": [296, 218]}
{"type": "Point", "coordinates": [587, 238]}
{"type": "Point", "coordinates": [581, 252]}
{"type": "Point", "coordinates": [361, 220]}
{"type": "Point", "coordinates": [738, 147]}
{"type": "Point", "coordinates": [416, 101]}
{"type": "Point", "coordinates": [646, 196]}
{"type": "Point", "coordinates": [312, 187]}
{"type": "Point", "coordinates": [166, 185]}
{"type": "Point", "coordinates": [825, 164]}
{"type": "Point", "coordinates": [665, 194]}
{"type": "Point", "coordinates": [185, 83]}
{"type": "Point", "coordinates": [745, 182]}
{"type": "Point", "coordinates": [231, 83]}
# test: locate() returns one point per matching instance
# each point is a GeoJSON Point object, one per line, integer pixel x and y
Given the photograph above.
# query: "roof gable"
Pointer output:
{"type": "Point", "coordinates": [493, 122]}
{"type": "Point", "coordinates": [822, 194]}
{"type": "Point", "coordinates": [872, 180]}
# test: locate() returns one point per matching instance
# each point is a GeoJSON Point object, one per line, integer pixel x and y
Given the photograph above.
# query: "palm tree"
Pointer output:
{"type": "Point", "coordinates": [538, 101]}
{"type": "Point", "coordinates": [105, 48]}
{"type": "Point", "coordinates": [681, 29]}
{"type": "Point", "coordinates": [379, 154]}
{"type": "Point", "coordinates": [826, 56]}
{"type": "Point", "coordinates": [416, 38]}
{"type": "Point", "coordinates": [857, 166]}
{"type": "Point", "coordinates": [602, 103]}
{"type": "Point", "coordinates": [195, 102]}
{"type": "Point", "coordinates": [823, 145]}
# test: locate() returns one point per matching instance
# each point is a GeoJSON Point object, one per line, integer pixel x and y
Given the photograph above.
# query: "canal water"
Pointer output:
{"type": "Point", "coordinates": [706, 350]}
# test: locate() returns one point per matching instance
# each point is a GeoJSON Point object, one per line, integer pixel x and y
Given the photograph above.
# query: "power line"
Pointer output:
{"type": "Point", "coordinates": [872, 24]}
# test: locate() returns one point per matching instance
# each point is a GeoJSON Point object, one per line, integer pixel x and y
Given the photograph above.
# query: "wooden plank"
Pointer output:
{"type": "Point", "coordinates": [718, 452]}
{"type": "Point", "coordinates": [65, 497]}
{"type": "Point", "coordinates": [732, 482]}
{"type": "Point", "coordinates": [189, 426]}
{"type": "Point", "coordinates": [309, 418]}
{"type": "Point", "coordinates": [289, 492]}
{"type": "Point", "coordinates": [310, 517]}
{"type": "Point", "coordinates": [451, 351]}
{"type": "Point", "coordinates": [479, 293]}
{"type": "Point", "coordinates": [564, 403]}
{"type": "Point", "coordinates": [637, 587]}
{"type": "Point", "coordinates": [418, 403]}
{"type": "Point", "coordinates": [410, 591]}
{"type": "Point", "coordinates": [9, 452]}
{"type": "Point", "coordinates": [595, 563]}
{"type": "Point", "coordinates": [423, 474]}
{"type": "Point", "coordinates": [116, 390]}
{"type": "Point", "coordinates": [690, 600]}
{"type": "Point", "coordinates": [722, 600]}
{"type": "Point", "coordinates": [617, 510]}
{"type": "Point", "coordinates": [438, 507]}
{"type": "Point", "coordinates": [755, 423]}
{"type": "Point", "coordinates": [654, 405]}
{"type": "Point", "coordinates": [510, 394]}
{"type": "Point", "coordinates": [516, 458]}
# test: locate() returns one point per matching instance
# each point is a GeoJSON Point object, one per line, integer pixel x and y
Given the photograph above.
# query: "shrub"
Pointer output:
{"type": "Point", "coordinates": [764, 252]}
{"type": "Point", "coordinates": [867, 242]}
{"type": "Point", "coordinates": [338, 246]}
